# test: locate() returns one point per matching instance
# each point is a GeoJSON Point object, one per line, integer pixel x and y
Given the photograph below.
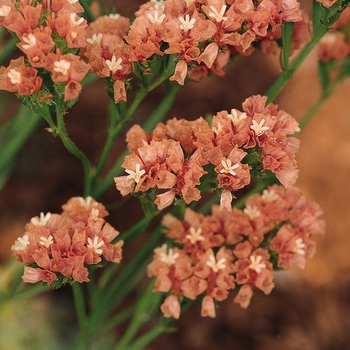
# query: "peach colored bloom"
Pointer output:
{"type": "Point", "coordinates": [59, 248]}
{"type": "Point", "coordinates": [171, 307]}
{"type": "Point", "coordinates": [20, 78]}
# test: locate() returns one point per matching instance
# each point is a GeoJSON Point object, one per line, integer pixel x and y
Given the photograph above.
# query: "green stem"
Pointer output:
{"type": "Point", "coordinates": [88, 13]}
{"type": "Point", "coordinates": [314, 109]}
{"type": "Point", "coordinates": [113, 132]}
{"type": "Point", "coordinates": [146, 307]}
{"type": "Point", "coordinates": [285, 76]}
{"type": "Point", "coordinates": [61, 131]}
{"type": "Point", "coordinates": [115, 292]}
{"type": "Point", "coordinates": [79, 301]}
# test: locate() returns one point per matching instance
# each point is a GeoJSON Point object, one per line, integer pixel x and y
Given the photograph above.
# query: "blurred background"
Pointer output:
{"type": "Point", "coordinates": [307, 310]}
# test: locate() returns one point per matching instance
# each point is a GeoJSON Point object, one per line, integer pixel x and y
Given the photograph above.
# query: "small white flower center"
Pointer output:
{"type": "Point", "coordinates": [30, 41]}
{"type": "Point", "coordinates": [228, 167]}
{"type": "Point", "coordinates": [155, 18]}
{"type": "Point", "coordinates": [21, 243]}
{"type": "Point", "coordinates": [85, 202]}
{"type": "Point", "coordinates": [269, 195]}
{"type": "Point", "coordinates": [235, 118]}
{"type": "Point", "coordinates": [61, 66]}
{"type": "Point", "coordinates": [15, 76]}
{"type": "Point", "coordinates": [42, 220]}
{"type": "Point", "coordinates": [217, 129]}
{"type": "Point", "coordinates": [216, 265]}
{"type": "Point", "coordinates": [195, 235]}
{"type": "Point", "coordinates": [76, 19]}
{"type": "Point", "coordinates": [137, 174]}
{"type": "Point", "coordinates": [96, 38]}
{"type": "Point", "coordinates": [95, 245]}
{"type": "Point", "coordinates": [187, 23]}
{"type": "Point", "coordinates": [256, 263]}
{"type": "Point", "coordinates": [170, 258]}
{"type": "Point", "coordinates": [94, 213]}
{"type": "Point", "coordinates": [259, 129]}
{"type": "Point", "coordinates": [114, 15]}
{"type": "Point", "coordinates": [114, 64]}
{"type": "Point", "coordinates": [218, 16]}
{"type": "Point", "coordinates": [299, 247]}
{"type": "Point", "coordinates": [4, 10]}
{"type": "Point", "coordinates": [252, 212]}
{"type": "Point", "coordinates": [46, 241]}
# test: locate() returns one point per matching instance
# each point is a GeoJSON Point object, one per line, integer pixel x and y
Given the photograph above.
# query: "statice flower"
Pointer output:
{"type": "Point", "coordinates": [49, 34]}
{"type": "Point", "coordinates": [60, 248]}
{"type": "Point", "coordinates": [211, 255]}
{"type": "Point", "coordinates": [182, 156]}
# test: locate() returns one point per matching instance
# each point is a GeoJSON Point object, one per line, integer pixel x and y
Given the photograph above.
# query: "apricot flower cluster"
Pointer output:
{"type": "Point", "coordinates": [180, 155]}
{"type": "Point", "coordinates": [49, 33]}
{"type": "Point", "coordinates": [59, 248]}
{"type": "Point", "coordinates": [194, 37]}
{"type": "Point", "coordinates": [207, 256]}
{"type": "Point", "coordinates": [199, 35]}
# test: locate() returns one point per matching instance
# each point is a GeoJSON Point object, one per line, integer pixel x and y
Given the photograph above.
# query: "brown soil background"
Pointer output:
{"type": "Point", "coordinates": [307, 310]}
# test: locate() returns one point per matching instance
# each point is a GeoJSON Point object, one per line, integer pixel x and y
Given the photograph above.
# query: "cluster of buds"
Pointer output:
{"type": "Point", "coordinates": [181, 155]}
{"type": "Point", "coordinates": [50, 34]}
{"type": "Point", "coordinates": [59, 248]}
{"type": "Point", "coordinates": [207, 256]}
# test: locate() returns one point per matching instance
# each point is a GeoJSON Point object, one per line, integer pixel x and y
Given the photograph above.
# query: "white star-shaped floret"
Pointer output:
{"type": "Point", "coordinates": [256, 263]}
{"type": "Point", "coordinates": [5, 10]}
{"type": "Point", "coordinates": [86, 202]}
{"type": "Point", "coordinates": [21, 243]}
{"type": "Point", "coordinates": [216, 265]}
{"type": "Point", "coordinates": [187, 23]}
{"type": "Point", "coordinates": [218, 16]}
{"type": "Point", "coordinates": [114, 64]}
{"type": "Point", "coordinates": [61, 66]}
{"type": "Point", "coordinates": [195, 235]}
{"type": "Point", "coordinates": [170, 258]}
{"type": "Point", "coordinates": [46, 241]}
{"type": "Point", "coordinates": [259, 129]}
{"type": "Point", "coordinates": [228, 167]}
{"type": "Point", "coordinates": [95, 245]}
{"type": "Point", "coordinates": [30, 41]}
{"type": "Point", "coordinates": [94, 213]}
{"type": "Point", "coordinates": [76, 19]}
{"type": "Point", "coordinates": [96, 38]}
{"type": "Point", "coordinates": [155, 18]}
{"type": "Point", "coordinates": [137, 174]}
{"type": "Point", "coordinates": [42, 220]}
{"type": "Point", "coordinates": [252, 212]}
{"type": "Point", "coordinates": [269, 195]}
{"type": "Point", "coordinates": [299, 247]}
{"type": "Point", "coordinates": [15, 76]}
{"type": "Point", "coordinates": [235, 118]}
{"type": "Point", "coordinates": [217, 129]}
